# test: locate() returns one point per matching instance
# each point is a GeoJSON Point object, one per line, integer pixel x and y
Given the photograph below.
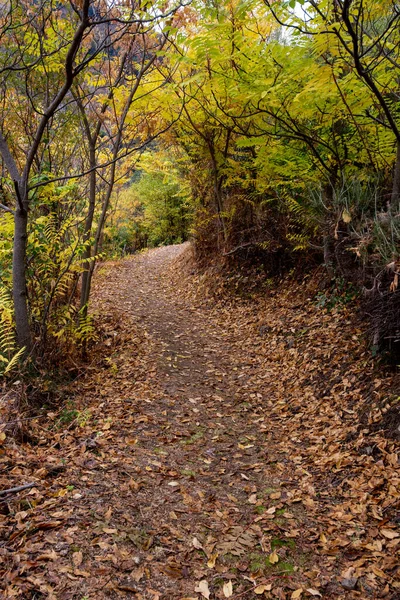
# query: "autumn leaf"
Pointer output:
{"type": "Point", "coordinates": [77, 558]}
{"type": "Point", "coordinates": [346, 216]}
{"type": "Point", "coordinates": [273, 558]}
{"type": "Point", "coordinates": [275, 495]}
{"type": "Point", "coordinates": [296, 594]}
{"type": "Point", "coordinates": [211, 560]}
{"type": "Point", "coordinates": [389, 533]}
{"type": "Point", "coordinates": [228, 589]}
{"type": "Point", "coordinates": [202, 588]}
{"type": "Point", "coordinates": [260, 589]}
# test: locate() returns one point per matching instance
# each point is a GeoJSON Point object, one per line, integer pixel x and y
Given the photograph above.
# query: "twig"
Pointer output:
{"type": "Point", "coordinates": [7, 209]}
{"type": "Point", "coordinates": [246, 245]}
{"type": "Point", "coordinates": [19, 488]}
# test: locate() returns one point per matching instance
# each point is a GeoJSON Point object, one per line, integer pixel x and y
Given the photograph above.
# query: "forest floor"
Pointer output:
{"type": "Point", "coordinates": [212, 449]}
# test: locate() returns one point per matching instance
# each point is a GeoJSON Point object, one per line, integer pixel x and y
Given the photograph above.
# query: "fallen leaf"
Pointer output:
{"type": "Point", "coordinates": [202, 588]}
{"type": "Point", "coordinates": [296, 594]}
{"type": "Point", "coordinates": [313, 592]}
{"type": "Point", "coordinates": [127, 587]}
{"type": "Point", "coordinates": [273, 558]}
{"type": "Point", "coordinates": [212, 559]}
{"type": "Point", "coordinates": [197, 544]}
{"type": "Point", "coordinates": [260, 589]}
{"type": "Point", "coordinates": [137, 574]}
{"type": "Point", "coordinates": [228, 589]}
{"type": "Point", "coordinates": [77, 558]}
{"type": "Point", "coordinates": [275, 495]}
{"type": "Point", "coordinates": [252, 499]}
{"type": "Point", "coordinates": [389, 533]}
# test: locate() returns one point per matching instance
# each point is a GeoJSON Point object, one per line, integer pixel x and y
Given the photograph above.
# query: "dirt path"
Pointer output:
{"type": "Point", "coordinates": [209, 457]}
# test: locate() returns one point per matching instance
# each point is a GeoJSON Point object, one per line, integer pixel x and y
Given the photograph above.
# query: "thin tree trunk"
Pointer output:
{"type": "Point", "coordinates": [19, 279]}
{"type": "Point", "coordinates": [395, 198]}
{"type": "Point", "coordinates": [217, 189]}
{"type": "Point", "coordinates": [86, 276]}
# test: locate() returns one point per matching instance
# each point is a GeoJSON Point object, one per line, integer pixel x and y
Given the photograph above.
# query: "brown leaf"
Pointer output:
{"type": "Point", "coordinates": [389, 533]}
{"type": "Point", "coordinates": [77, 558]}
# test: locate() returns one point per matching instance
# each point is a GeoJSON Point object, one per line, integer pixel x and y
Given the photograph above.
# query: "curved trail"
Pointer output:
{"type": "Point", "coordinates": [196, 471]}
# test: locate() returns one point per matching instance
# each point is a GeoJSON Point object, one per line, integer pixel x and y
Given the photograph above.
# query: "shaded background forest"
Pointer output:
{"type": "Point", "coordinates": [268, 133]}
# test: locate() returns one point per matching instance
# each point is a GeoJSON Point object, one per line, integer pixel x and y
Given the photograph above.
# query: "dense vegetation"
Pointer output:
{"type": "Point", "coordinates": [270, 131]}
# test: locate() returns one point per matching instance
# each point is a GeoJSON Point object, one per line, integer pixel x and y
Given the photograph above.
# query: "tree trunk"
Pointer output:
{"type": "Point", "coordinates": [86, 275]}
{"type": "Point", "coordinates": [217, 184]}
{"type": "Point", "coordinates": [19, 279]}
{"type": "Point", "coordinates": [395, 198]}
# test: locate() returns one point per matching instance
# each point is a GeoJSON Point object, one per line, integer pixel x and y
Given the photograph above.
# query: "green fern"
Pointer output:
{"type": "Point", "coordinates": [9, 354]}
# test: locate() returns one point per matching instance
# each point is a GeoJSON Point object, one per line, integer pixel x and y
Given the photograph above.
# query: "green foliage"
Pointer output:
{"type": "Point", "coordinates": [166, 210]}
{"type": "Point", "coordinates": [9, 353]}
{"type": "Point", "coordinates": [278, 143]}
{"type": "Point", "coordinates": [289, 148]}
{"type": "Point", "coordinates": [55, 262]}
{"type": "Point", "coordinates": [339, 295]}
{"type": "Point", "coordinates": [154, 210]}
{"type": "Point", "coordinates": [56, 250]}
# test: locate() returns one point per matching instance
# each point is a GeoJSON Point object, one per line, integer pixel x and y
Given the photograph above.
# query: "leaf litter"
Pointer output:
{"type": "Point", "coordinates": [219, 449]}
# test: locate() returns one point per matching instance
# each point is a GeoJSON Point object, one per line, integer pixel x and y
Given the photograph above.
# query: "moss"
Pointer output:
{"type": "Point", "coordinates": [283, 566]}
{"type": "Point", "coordinates": [277, 543]}
{"type": "Point", "coordinates": [256, 562]}
{"type": "Point", "coordinates": [194, 437]}
{"type": "Point", "coordinates": [188, 473]}
{"type": "Point", "coordinates": [286, 567]}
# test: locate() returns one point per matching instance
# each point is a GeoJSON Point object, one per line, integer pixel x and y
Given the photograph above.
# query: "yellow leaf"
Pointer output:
{"type": "Point", "coordinates": [273, 558]}
{"type": "Point", "coordinates": [2, 437]}
{"type": "Point", "coordinates": [346, 216]}
{"type": "Point", "coordinates": [297, 594]}
{"type": "Point", "coordinates": [260, 589]}
{"type": "Point", "coordinates": [228, 589]}
{"type": "Point", "coordinates": [211, 560]}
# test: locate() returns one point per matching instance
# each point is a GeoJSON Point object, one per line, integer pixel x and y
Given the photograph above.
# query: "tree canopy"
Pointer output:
{"type": "Point", "coordinates": [265, 130]}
